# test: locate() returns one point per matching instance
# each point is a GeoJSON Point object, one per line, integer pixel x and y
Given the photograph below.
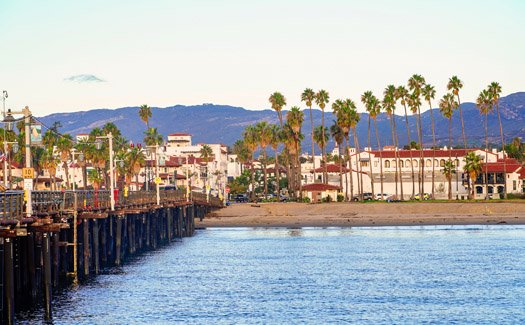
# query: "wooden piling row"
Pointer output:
{"type": "Point", "coordinates": [36, 262]}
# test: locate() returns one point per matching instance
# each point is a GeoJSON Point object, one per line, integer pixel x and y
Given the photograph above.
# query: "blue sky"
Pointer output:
{"type": "Point", "coordinates": [59, 56]}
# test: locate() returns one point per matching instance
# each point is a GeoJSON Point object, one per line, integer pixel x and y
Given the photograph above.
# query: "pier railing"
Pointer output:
{"type": "Point", "coordinates": [46, 203]}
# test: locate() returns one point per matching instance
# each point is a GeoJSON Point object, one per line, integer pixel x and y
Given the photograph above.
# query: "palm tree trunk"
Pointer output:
{"type": "Point", "coordinates": [462, 123]}
{"type": "Point", "coordinates": [358, 166]}
{"type": "Point", "coordinates": [277, 176]}
{"type": "Point", "coordinates": [421, 165]}
{"type": "Point", "coordinates": [410, 151]}
{"type": "Point", "coordinates": [503, 150]}
{"type": "Point", "coordinates": [380, 157]}
{"type": "Point", "coordinates": [433, 149]}
{"type": "Point", "coordinates": [340, 167]}
{"type": "Point", "coordinates": [450, 158]}
{"type": "Point", "coordinates": [370, 160]}
{"type": "Point", "coordinates": [398, 165]}
{"type": "Point", "coordinates": [253, 179]}
{"type": "Point", "coordinates": [486, 156]}
{"type": "Point", "coordinates": [394, 144]}
{"type": "Point", "coordinates": [299, 173]}
{"type": "Point", "coordinates": [66, 170]}
{"type": "Point", "coordinates": [325, 168]}
{"type": "Point", "coordinates": [264, 174]}
{"type": "Point", "coordinates": [351, 171]}
{"type": "Point", "coordinates": [346, 162]}
{"type": "Point", "coordinates": [313, 143]}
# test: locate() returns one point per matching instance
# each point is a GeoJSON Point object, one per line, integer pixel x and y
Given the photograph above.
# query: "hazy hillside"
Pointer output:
{"type": "Point", "coordinates": [224, 124]}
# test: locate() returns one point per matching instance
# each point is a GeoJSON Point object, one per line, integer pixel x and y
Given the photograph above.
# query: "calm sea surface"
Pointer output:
{"type": "Point", "coordinates": [365, 275]}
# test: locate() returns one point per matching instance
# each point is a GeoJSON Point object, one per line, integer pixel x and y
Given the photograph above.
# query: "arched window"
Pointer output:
{"type": "Point", "coordinates": [500, 189]}
{"type": "Point", "coordinates": [436, 163]}
{"type": "Point", "coordinates": [491, 189]}
{"type": "Point", "coordinates": [442, 163]}
{"type": "Point", "coordinates": [414, 162]}
{"type": "Point", "coordinates": [387, 163]}
{"type": "Point", "coordinates": [428, 163]}
{"type": "Point", "coordinates": [394, 164]}
{"type": "Point", "coordinates": [479, 189]}
{"type": "Point", "coordinates": [407, 163]}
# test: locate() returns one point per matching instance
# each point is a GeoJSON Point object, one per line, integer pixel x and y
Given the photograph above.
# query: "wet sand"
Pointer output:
{"type": "Point", "coordinates": [365, 214]}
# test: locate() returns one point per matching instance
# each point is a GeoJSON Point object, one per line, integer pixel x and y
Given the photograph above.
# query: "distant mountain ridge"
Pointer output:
{"type": "Point", "coordinates": [209, 123]}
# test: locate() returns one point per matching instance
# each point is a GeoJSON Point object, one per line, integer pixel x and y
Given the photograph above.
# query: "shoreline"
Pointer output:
{"type": "Point", "coordinates": [298, 215]}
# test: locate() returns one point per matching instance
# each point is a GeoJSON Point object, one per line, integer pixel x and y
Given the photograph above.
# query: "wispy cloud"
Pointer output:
{"type": "Point", "coordinates": [82, 78]}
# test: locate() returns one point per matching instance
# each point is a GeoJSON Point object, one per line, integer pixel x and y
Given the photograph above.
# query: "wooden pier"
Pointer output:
{"type": "Point", "coordinates": [72, 235]}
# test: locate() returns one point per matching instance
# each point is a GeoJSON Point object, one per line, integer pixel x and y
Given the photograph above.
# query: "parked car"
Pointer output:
{"type": "Point", "coordinates": [382, 196]}
{"type": "Point", "coordinates": [241, 198]}
{"type": "Point", "coordinates": [366, 197]}
{"type": "Point", "coordinates": [426, 196]}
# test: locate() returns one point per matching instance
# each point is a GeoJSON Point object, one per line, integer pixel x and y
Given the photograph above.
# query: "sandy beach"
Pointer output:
{"type": "Point", "coordinates": [365, 214]}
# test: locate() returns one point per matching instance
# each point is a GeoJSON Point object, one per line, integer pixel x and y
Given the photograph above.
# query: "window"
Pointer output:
{"type": "Point", "coordinates": [436, 163]}
{"type": "Point", "coordinates": [401, 163]}
{"type": "Point", "coordinates": [375, 163]}
{"type": "Point", "coordinates": [491, 189]}
{"type": "Point", "coordinates": [387, 163]}
{"type": "Point", "coordinates": [428, 163]}
{"type": "Point", "coordinates": [442, 163]}
{"type": "Point", "coordinates": [407, 163]}
{"type": "Point", "coordinates": [364, 164]}
{"type": "Point", "coordinates": [479, 189]}
{"type": "Point", "coordinates": [414, 162]}
{"type": "Point", "coordinates": [514, 185]}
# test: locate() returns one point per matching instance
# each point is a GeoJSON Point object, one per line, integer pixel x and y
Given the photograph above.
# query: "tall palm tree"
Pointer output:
{"type": "Point", "coordinates": [206, 154]}
{"type": "Point", "coordinates": [50, 163]}
{"type": "Point", "coordinates": [484, 104]}
{"type": "Point", "coordinates": [354, 119]}
{"type": "Point", "coordinates": [473, 169]}
{"type": "Point", "coordinates": [82, 147]}
{"type": "Point", "coordinates": [402, 95]}
{"type": "Point", "coordinates": [145, 114]}
{"type": "Point", "coordinates": [338, 135]}
{"type": "Point", "coordinates": [135, 160]}
{"type": "Point", "coordinates": [152, 137]}
{"type": "Point", "coordinates": [251, 140]}
{"type": "Point", "coordinates": [321, 99]}
{"type": "Point", "coordinates": [295, 119]}
{"type": "Point", "coordinates": [367, 98]}
{"type": "Point", "coordinates": [416, 84]}
{"type": "Point", "coordinates": [414, 102]}
{"type": "Point", "coordinates": [375, 110]}
{"type": "Point", "coordinates": [495, 92]}
{"type": "Point", "coordinates": [264, 140]}
{"type": "Point", "coordinates": [343, 115]}
{"type": "Point", "coordinates": [278, 101]}
{"type": "Point", "coordinates": [429, 93]}
{"type": "Point", "coordinates": [446, 106]}
{"type": "Point", "coordinates": [321, 137]}
{"type": "Point", "coordinates": [389, 104]}
{"type": "Point", "coordinates": [276, 138]}
{"type": "Point", "coordinates": [64, 146]}
{"type": "Point", "coordinates": [449, 169]}
{"type": "Point", "coordinates": [455, 84]}
{"type": "Point", "coordinates": [308, 96]}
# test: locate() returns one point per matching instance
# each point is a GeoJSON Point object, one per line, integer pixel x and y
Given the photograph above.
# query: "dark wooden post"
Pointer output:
{"type": "Point", "coordinates": [46, 252]}
{"type": "Point", "coordinates": [9, 281]}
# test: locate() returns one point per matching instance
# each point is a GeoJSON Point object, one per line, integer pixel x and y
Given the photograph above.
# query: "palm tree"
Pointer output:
{"type": "Point", "coordinates": [206, 153]}
{"type": "Point", "coordinates": [429, 93]}
{"type": "Point", "coordinates": [495, 91]}
{"type": "Point", "coordinates": [145, 114]}
{"type": "Point", "coordinates": [389, 104]}
{"type": "Point", "coordinates": [64, 146]}
{"type": "Point", "coordinates": [50, 162]}
{"type": "Point", "coordinates": [152, 137]}
{"type": "Point", "coordinates": [338, 135]}
{"type": "Point", "coordinates": [295, 119]}
{"type": "Point", "coordinates": [276, 138]}
{"type": "Point", "coordinates": [484, 104]}
{"type": "Point", "coordinates": [354, 119]}
{"type": "Point", "coordinates": [278, 101]}
{"type": "Point", "coordinates": [473, 169]}
{"type": "Point", "coordinates": [402, 94]}
{"type": "Point", "coordinates": [448, 170]}
{"type": "Point", "coordinates": [455, 84]}
{"type": "Point", "coordinates": [82, 147]}
{"type": "Point", "coordinates": [321, 99]}
{"type": "Point", "coordinates": [308, 96]}
{"type": "Point", "coordinates": [343, 115]}
{"type": "Point", "coordinates": [251, 142]}
{"type": "Point", "coordinates": [446, 106]}
{"type": "Point", "coordinates": [414, 102]}
{"type": "Point", "coordinates": [264, 140]}
{"type": "Point", "coordinates": [375, 110]}
{"type": "Point", "coordinates": [416, 84]}
{"type": "Point", "coordinates": [321, 137]}
{"type": "Point", "coordinates": [135, 160]}
{"type": "Point", "coordinates": [367, 98]}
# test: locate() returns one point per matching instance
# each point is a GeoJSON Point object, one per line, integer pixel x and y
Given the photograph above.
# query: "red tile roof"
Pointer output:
{"type": "Point", "coordinates": [331, 168]}
{"type": "Point", "coordinates": [522, 173]}
{"type": "Point", "coordinates": [427, 153]}
{"type": "Point", "coordinates": [510, 166]}
{"type": "Point", "coordinates": [319, 187]}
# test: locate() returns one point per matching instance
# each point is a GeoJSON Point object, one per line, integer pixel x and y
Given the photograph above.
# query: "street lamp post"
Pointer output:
{"type": "Point", "coordinates": [111, 174]}
{"type": "Point", "coordinates": [9, 121]}
{"type": "Point", "coordinates": [157, 184]}
{"type": "Point", "coordinates": [4, 96]}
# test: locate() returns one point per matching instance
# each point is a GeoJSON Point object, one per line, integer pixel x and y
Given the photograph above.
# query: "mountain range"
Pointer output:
{"type": "Point", "coordinates": [209, 123]}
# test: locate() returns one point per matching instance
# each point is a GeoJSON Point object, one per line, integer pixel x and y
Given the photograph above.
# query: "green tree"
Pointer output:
{"type": "Point", "coordinates": [308, 96]}
{"type": "Point", "coordinates": [263, 128]}
{"type": "Point", "coordinates": [338, 135]}
{"type": "Point", "coordinates": [473, 169]}
{"type": "Point", "coordinates": [145, 114]}
{"type": "Point", "coordinates": [321, 99]}
{"type": "Point", "coordinates": [389, 105]}
{"type": "Point", "coordinates": [64, 146]}
{"type": "Point", "coordinates": [278, 101]}
{"type": "Point", "coordinates": [446, 106]}
{"type": "Point", "coordinates": [251, 141]}
{"type": "Point", "coordinates": [455, 84]}
{"type": "Point", "coordinates": [294, 120]}
{"type": "Point", "coordinates": [495, 92]}
{"type": "Point", "coordinates": [402, 95]}
{"type": "Point", "coordinates": [449, 170]}
{"type": "Point", "coordinates": [429, 93]}
{"type": "Point", "coordinates": [276, 138]}
{"type": "Point", "coordinates": [484, 104]}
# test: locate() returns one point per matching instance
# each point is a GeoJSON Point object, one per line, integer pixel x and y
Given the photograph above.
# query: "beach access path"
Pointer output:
{"type": "Point", "coordinates": [365, 214]}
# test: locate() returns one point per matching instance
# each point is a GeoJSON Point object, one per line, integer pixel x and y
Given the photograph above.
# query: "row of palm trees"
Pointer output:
{"type": "Point", "coordinates": [410, 98]}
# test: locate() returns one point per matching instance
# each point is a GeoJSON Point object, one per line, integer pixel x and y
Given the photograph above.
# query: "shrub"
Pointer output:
{"type": "Point", "coordinates": [306, 199]}
{"type": "Point", "coordinates": [340, 197]}
{"type": "Point", "coordinates": [327, 199]}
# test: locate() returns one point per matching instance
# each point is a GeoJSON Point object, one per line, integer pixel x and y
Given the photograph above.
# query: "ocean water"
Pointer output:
{"type": "Point", "coordinates": [456, 274]}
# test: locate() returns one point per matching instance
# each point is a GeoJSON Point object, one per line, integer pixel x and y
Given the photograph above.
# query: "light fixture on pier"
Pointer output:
{"type": "Point", "coordinates": [9, 121]}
